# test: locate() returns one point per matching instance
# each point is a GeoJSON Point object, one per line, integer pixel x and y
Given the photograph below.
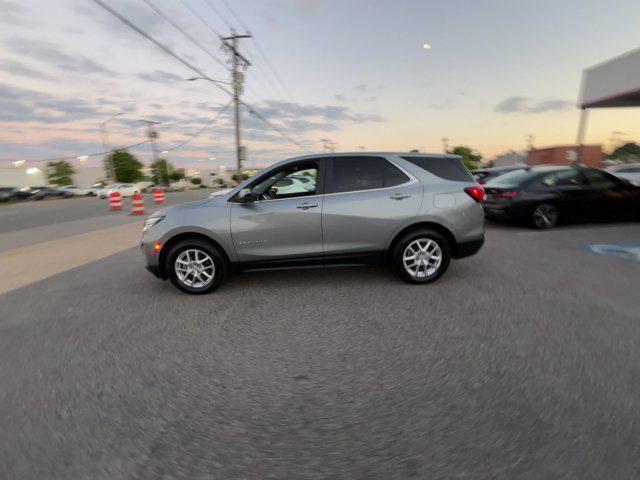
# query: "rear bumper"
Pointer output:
{"type": "Point", "coordinates": [465, 249]}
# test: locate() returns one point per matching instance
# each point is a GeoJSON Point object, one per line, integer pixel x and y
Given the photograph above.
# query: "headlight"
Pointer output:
{"type": "Point", "coordinates": [151, 222]}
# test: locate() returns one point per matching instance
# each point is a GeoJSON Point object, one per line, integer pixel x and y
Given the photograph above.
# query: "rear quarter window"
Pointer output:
{"type": "Point", "coordinates": [447, 168]}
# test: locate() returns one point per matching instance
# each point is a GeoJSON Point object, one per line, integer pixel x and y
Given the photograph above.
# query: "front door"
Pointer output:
{"type": "Point", "coordinates": [283, 220]}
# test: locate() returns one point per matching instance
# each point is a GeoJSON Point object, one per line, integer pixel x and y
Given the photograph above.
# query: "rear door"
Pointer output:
{"type": "Point", "coordinates": [574, 199]}
{"type": "Point", "coordinates": [366, 199]}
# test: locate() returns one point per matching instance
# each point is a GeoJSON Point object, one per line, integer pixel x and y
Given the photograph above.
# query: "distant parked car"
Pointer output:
{"type": "Point", "coordinates": [483, 175]}
{"type": "Point", "coordinates": [545, 196]}
{"type": "Point", "coordinates": [628, 171]}
{"type": "Point", "coordinates": [11, 194]}
{"type": "Point", "coordinates": [124, 189]}
{"type": "Point", "coordinates": [40, 193]}
{"type": "Point", "coordinates": [78, 191]}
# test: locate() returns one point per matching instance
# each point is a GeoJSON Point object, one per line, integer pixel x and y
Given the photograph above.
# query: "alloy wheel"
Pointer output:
{"type": "Point", "coordinates": [545, 216]}
{"type": "Point", "coordinates": [195, 268]}
{"type": "Point", "coordinates": [422, 258]}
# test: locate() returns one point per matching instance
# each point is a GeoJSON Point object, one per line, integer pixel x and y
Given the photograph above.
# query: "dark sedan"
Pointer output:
{"type": "Point", "coordinates": [545, 196]}
{"type": "Point", "coordinates": [11, 194]}
{"type": "Point", "coordinates": [40, 193]}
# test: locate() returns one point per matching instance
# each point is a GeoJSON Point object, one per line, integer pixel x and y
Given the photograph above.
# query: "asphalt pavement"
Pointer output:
{"type": "Point", "coordinates": [521, 362]}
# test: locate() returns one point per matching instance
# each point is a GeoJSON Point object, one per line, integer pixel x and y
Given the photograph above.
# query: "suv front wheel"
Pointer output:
{"type": "Point", "coordinates": [195, 266]}
{"type": "Point", "coordinates": [421, 256]}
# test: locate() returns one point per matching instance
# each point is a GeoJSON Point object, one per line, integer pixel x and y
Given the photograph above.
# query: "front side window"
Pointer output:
{"type": "Point", "coordinates": [351, 174]}
{"type": "Point", "coordinates": [295, 181]}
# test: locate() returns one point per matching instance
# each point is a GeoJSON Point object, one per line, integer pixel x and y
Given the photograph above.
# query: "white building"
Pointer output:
{"type": "Point", "coordinates": [31, 175]}
{"type": "Point", "coordinates": [508, 159]}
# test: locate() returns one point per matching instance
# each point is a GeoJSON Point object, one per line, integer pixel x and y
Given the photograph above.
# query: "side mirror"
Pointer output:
{"type": "Point", "coordinates": [245, 195]}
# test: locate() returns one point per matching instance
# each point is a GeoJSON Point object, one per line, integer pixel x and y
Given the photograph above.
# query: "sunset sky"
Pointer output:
{"type": "Point", "coordinates": [353, 71]}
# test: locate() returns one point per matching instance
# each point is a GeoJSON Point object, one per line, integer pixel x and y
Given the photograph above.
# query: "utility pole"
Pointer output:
{"type": "Point", "coordinates": [152, 134]}
{"type": "Point", "coordinates": [230, 44]}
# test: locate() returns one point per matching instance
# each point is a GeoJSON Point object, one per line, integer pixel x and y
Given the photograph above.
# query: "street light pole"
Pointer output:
{"type": "Point", "coordinates": [111, 172]}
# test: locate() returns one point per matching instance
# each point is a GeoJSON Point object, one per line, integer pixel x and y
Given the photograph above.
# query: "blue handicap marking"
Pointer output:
{"type": "Point", "coordinates": [626, 251]}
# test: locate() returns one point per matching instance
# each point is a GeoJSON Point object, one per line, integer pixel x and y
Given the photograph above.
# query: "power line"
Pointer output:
{"type": "Point", "coordinates": [181, 30]}
{"type": "Point", "coordinates": [168, 51]}
{"type": "Point", "coordinates": [277, 129]}
{"type": "Point", "coordinates": [259, 49]}
{"type": "Point", "coordinates": [199, 17]}
{"type": "Point", "coordinates": [207, 125]}
{"type": "Point", "coordinates": [233, 13]}
{"type": "Point", "coordinates": [212, 7]}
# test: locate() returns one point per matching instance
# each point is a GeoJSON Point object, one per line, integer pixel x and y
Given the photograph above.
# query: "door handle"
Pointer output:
{"type": "Point", "coordinates": [399, 196]}
{"type": "Point", "coordinates": [307, 206]}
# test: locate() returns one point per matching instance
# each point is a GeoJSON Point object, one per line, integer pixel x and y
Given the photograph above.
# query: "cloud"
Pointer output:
{"type": "Point", "coordinates": [361, 88]}
{"type": "Point", "coordinates": [51, 54]}
{"type": "Point", "coordinates": [14, 14]}
{"type": "Point", "coordinates": [19, 68]}
{"type": "Point", "coordinates": [340, 97]}
{"type": "Point", "coordinates": [21, 105]}
{"type": "Point", "coordinates": [302, 6]}
{"type": "Point", "coordinates": [518, 104]}
{"type": "Point", "coordinates": [161, 76]}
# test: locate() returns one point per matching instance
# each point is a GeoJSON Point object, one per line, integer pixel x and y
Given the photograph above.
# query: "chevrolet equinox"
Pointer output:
{"type": "Point", "coordinates": [412, 211]}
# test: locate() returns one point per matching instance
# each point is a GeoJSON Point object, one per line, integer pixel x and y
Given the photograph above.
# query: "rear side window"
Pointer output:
{"type": "Point", "coordinates": [447, 168]}
{"type": "Point", "coordinates": [350, 174]}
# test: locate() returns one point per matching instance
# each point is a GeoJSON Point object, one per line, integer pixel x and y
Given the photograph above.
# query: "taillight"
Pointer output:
{"type": "Point", "coordinates": [477, 193]}
{"type": "Point", "coordinates": [481, 182]}
{"type": "Point", "coordinates": [510, 195]}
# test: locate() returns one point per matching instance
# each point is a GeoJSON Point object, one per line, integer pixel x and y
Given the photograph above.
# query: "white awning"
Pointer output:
{"type": "Point", "coordinates": [612, 84]}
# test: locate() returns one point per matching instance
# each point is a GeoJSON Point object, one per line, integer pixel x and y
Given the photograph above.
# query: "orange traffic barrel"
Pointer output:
{"type": "Point", "coordinates": [115, 201]}
{"type": "Point", "coordinates": [137, 204]}
{"type": "Point", "coordinates": [158, 195]}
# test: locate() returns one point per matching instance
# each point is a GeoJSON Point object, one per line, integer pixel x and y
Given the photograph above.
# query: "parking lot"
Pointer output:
{"type": "Point", "coordinates": [521, 362]}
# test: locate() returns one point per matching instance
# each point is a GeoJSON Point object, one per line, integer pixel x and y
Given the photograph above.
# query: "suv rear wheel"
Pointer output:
{"type": "Point", "coordinates": [195, 266]}
{"type": "Point", "coordinates": [421, 256]}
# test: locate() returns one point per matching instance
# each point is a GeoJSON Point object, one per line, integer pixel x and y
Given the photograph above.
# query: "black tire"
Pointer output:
{"type": "Point", "coordinates": [544, 216]}
{"type": "Point", "coordinates": [219, 272]}
{"type": "Point", "coordinates": [408, 239]}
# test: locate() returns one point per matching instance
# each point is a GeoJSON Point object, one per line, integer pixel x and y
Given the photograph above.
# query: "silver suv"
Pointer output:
{"type": "Point", "coordinates": [412, 211]}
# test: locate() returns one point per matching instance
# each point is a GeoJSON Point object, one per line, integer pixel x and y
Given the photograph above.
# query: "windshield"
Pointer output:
{"type": "Point", "coordinates": [512, 179]}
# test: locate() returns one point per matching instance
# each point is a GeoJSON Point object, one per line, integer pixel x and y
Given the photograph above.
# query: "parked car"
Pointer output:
{"type": "Point", "coordinates": [414, 212]}
{"type": "Point", "coordinates": [483, 175]}
{"type": "Point", "coordinates": [545, 196]}
{"type": "Point", "coordinates": [124, 189]}
{"type": "Point", "coordinates": [42, 192]}
{"type": "Point", "coordinates": [628, 171]}
{"type": "Point", "coordinates": [12, 194]}
{"type": "Point", "coordinates": [78, 191]}
{"type": "Point", "coordinates": [293, 184]}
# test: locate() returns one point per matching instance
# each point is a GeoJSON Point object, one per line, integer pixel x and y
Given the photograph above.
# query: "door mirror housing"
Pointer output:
{"type": "Point", "coordinates": [245, 195]}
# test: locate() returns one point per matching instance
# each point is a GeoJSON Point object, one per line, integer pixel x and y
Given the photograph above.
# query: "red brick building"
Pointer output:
{"type": "Point", "coordinates": [591, 156]}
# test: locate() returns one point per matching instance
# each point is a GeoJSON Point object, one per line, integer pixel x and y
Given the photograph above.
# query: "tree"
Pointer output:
{"type": "Point", "coordinates": [126, 166]}
{"type": "Point", "coordinates": [243, 177]}
{"type": "Point", "coordinates": [196, 181]}
{"type": "Point", "coordinates": [469, 157]}
{"type": "Point", "coordinates": [630, 151]}
{"type": "Point", "coordinates": [60, 173]}
{"type": "Point", "coordinates": [176, 175]}
{"type": "Point", "coordinates": [161, 171]}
